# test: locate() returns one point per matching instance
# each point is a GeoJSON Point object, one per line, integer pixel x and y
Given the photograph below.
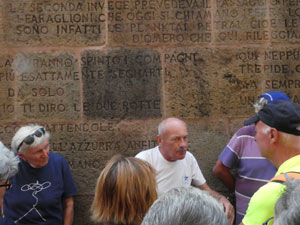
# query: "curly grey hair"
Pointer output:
{"type": "Point", "coordinates": [287, 209]}
{"type": "Point", "coordinates": [185, 206]}
{"type": "Point", "coordinates": [8, 163]}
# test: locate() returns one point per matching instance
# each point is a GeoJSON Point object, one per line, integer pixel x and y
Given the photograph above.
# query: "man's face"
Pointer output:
{"type": "Point", "coordinates": [37, 156]}
{"type": "Point", "coordinates": [262, 138]}
{"type": "Point", "coordinates": [173, 142]}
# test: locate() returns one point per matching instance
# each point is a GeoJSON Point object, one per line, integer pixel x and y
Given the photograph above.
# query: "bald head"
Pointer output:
{"type": "Point", "coordinates": [168, 124]}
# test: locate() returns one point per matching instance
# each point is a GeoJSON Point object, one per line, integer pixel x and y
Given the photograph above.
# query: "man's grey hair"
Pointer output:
{"type": "Point", "coordinates": [260, 104]}
{"type": "Point", "coordinates": [287, 208]}
{"type": "Point", "coordinates": [162, 125]}
{"type": "Point", "coordinates": [186, 206]}
{"type": "Point", "coordinates": [22, 133]}
{"type": "Point", "coordinates": [8, 163]}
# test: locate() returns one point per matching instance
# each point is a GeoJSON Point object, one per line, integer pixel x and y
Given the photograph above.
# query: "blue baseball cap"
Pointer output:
{"type": "Point", "coordinates": [273, 96]}
{"type": "Point", "coordinates": [282, 115]}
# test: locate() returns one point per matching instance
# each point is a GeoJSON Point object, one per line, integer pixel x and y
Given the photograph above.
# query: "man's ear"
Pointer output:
{"type": "Point", "coordinates": [22, 156]}
{"type": "Point", "coordinates": [274, 135]}
{"type": "Point", "coordinates": [158, 138]}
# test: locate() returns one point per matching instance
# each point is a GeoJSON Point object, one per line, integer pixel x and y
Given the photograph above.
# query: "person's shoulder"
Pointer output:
{"type": "Point", "coordinates": [148, 155]}
{"type": "Point", "coordinates": [189, 156]}
{"type": "Point", "coordinates": [56, 157]}
{"type": "Point", "coordinates": [146, 152]}
{"type": "Point", "coordinates": [246, 131]}
{"type": "Point", "coordinates": [271, 190]}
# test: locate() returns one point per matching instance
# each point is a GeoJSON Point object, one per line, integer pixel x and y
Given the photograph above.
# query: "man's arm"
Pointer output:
{"type": "Point", "coordinates": [229, 210]}
{"type": "Point", "coordinates": [68, 207]}
{"type": "Point", "coordinates": [223, 173]}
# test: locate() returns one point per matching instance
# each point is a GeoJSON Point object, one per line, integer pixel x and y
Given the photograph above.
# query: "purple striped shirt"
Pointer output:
{"type": "Point", "coordinates": [253, 170]}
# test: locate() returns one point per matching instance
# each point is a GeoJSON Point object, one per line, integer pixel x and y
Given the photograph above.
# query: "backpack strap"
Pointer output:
{"type": "Point", "coordinates": [284, 177]}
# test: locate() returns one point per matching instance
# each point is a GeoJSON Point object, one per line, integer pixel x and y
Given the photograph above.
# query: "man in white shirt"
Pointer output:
{"type": "Point", "coordinates": [175, 166]}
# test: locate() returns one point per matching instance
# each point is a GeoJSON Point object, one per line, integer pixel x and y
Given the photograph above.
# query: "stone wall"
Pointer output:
{"type": "Point", "coordinates": [101, 74]}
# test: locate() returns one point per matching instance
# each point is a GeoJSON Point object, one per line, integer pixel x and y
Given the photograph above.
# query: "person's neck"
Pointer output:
{"type": "Point", "coordinates": [284, 155]}
{"type": "Point", "coordinates": [165, 155]}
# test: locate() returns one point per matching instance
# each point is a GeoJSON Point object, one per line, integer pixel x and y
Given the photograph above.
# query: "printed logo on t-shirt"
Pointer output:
{"type": "Point", "coordinates": [186, 179]}
{"type": "Point", "coordinates": [35, 188]}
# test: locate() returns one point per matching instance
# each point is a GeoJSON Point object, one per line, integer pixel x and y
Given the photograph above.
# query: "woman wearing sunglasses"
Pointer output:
{"type": "Point", "coordinates": [8, 168]}
{"type": "Point", "coordinates": [42, 191]}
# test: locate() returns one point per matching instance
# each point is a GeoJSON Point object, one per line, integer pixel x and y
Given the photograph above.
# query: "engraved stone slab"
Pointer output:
{"type": "Point", "coordinates": [83, 217]}
{"type": "Point", "coordinates": [238, 87]}
{"type": "Point", "coordinates": [7, 131]}
{"type": "Point", "coordinates": [285, 21]}
{"type": "Point", "coordinates": [121, 84]}
{"type": "Point", "coordinates": [241, 21]}
{"type": "Point", "coordinates": [206, 141]}
{"type": "Point", "coordinates": [52, 23]}
{"type": "Point", "coordinates": [7, 80]}
{"type": "Point", "coordinates": [87, 146]}
{"type": "Point", "coordinates": [2, 42]}
{"type": "Point", "coordinates": [281, 67]}
{"type": "Point", "coordinates": [211, 83]}
{"type": "Point", "coordinates": [47, 86]}
{"type": "Point", "coordinates": [189, 83]}
{"type": "Point", "coordinates": [152, 22]}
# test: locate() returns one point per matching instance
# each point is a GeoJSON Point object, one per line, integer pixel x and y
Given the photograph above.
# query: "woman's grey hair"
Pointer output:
{"type": "Point", "coordinates": [22, 133]}
{"type": "Point", "coordinates": [287, 208]}
{"type": "Point", "coordinates": [8, 163]}
{"type": "Point", "coordinates": [186, 206]}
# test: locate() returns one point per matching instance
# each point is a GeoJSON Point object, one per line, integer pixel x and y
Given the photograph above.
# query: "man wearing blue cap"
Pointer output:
{"type": "Point", "coordinates": [277, 128]}
{"type": "Point", "coordinates": [243, 155]}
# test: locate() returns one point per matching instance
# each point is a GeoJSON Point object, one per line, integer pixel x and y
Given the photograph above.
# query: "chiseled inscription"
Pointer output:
{"type": "Point", "coordinates": [163, 21]}
{"type": "Point", "coordinates": [286, 16]}
{"type": "Point", "coordinates": [241, 20]}
{"type": "Point", "coordinates": [121, 84]}
{"type": "Point", "coordinates": [97, 146]}
{"type": "Point", "coordinates": [55, 19]}
{"type": "Point", "coordinates": [274, 62]}
{"type": "Point", "coordinates": [7, 78]}
{"type": "Point", "coordinates": [47, 84]}
{"type": "Point", "coordinates": [107, 145]}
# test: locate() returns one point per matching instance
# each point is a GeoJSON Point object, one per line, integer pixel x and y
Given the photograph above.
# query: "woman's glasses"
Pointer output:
{"type": "Point", "coordinates": [30, 138]}
{"type": "Point", "coordinates": [7, 184]}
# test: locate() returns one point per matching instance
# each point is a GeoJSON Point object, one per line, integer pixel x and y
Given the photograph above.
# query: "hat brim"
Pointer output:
{"type": "Point", "coordinates": [252, 120]}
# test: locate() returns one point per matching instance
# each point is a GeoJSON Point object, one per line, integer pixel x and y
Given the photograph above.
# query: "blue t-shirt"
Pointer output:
{"type": "Point", "coordinates": [37, 194]}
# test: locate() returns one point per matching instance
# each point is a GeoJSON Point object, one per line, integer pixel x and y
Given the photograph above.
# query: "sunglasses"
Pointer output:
{"type": "Point", "coordinates": [30, 138]}
{"type": "Point", "coordinates": [7, 184]}
{"type": "Point", "coordinates": [268, 220]}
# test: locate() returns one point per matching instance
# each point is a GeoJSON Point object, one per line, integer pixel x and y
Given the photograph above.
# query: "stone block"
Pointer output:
{"type": "Point", "coordinates": [83, 217]}
{"type": "Point", "coordinates": [238, 83]}
{"type": "Point", "coordinates": [54, 23]}
{"type": "Point", "coordinates": [121, 84]}
{"type": "Point", "coordinates": [46, 87]}
{"type": "Point", "coordinates": [210, 83]}
{"type": "Point", "coordinates": [207, 139]}
{"type": "Point", "coordinates": [165, 22]}
{"type": "Point", "coordinates": [2, 41]}
{"type": "Point", "coordinates": [189, 83]}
